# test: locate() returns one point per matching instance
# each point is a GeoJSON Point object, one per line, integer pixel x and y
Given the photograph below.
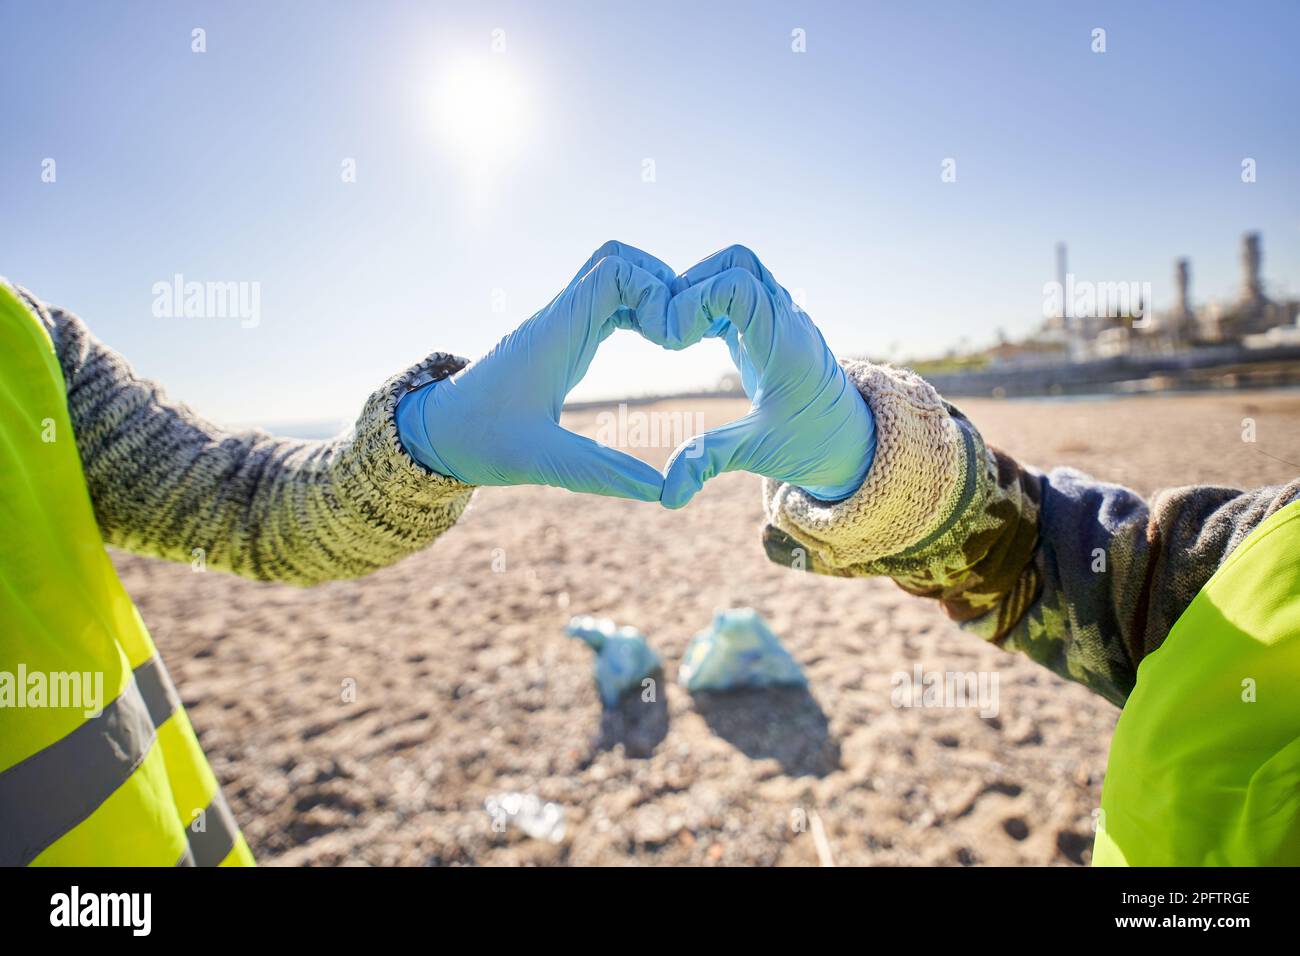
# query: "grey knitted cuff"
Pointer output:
{"type": "Point", "coordinates": [914, 486]}
{"type": "Point", "coordinates": [376, 472]}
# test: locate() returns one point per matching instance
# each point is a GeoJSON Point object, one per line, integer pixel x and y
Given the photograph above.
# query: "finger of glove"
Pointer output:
{"type": "Point", "coordinates": [579, 464]}
{"type": "Point", "coordinates": [732, 257]}
{"type": "Point", "coordinates": [621, 250]}
{"type": "Point", "coordinates": [703, 457]}
{"type": "Point", "coordinates": [748, 376]}
{"type": "Point", "coordinates": [739, 297]}
{"type": "Point", "coordinates": [613, 294]}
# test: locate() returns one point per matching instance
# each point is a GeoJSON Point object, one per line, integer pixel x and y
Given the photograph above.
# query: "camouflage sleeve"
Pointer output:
{"type": "Point", "coordinates": [1082, 576]}
{"type": "Point", "coordinates": [167, 483]}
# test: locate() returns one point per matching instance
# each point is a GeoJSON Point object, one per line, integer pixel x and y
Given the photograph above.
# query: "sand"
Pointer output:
{"type": "Point", "coordinates": [466, 686]}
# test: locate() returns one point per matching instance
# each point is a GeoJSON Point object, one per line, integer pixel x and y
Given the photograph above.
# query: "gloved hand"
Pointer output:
{"type": "Point", "coordinates": [496, 422]}
{"type": "Point", "coordinates": [808, 424]}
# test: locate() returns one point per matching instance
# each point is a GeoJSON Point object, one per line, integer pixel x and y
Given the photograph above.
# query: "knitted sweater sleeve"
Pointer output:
{"type": "Point", "coordinates": [167, 483]}
{"type": "Point", "coordinates": [1084, 577]}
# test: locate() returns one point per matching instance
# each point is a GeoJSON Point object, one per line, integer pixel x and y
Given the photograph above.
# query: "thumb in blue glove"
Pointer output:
{"type": "Point", "coordinates": [496, 422]}
{"type": "Point", "coordinates": [807, 425]}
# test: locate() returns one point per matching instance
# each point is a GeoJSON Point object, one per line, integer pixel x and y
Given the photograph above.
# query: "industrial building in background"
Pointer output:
{"type": "Point", "coordinates": [1105, 337]}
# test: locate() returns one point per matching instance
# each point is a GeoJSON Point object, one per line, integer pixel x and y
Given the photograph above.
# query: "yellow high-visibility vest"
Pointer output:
{"type": "Point", "coordinates": [127, 786]}
{"type": "Point", "coordinates": [1204, 767]}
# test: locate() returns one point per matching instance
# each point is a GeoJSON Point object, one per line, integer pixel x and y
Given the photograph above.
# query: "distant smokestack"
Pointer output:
{"type": "Point", "coordinates": [1252, 289]}
{"type": "Point", "coordinates": [1071, 324]}
{"type": "Point", "coordinates": [1183, 307]}
{"type": "Point", "coordinates": [1060, 275]}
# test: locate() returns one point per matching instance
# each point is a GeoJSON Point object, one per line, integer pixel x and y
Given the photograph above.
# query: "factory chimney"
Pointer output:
{"type": "Point", "coordinates": [1252, 288]}
{"type": "Point", "coordinates": [1071, 324]}
{"type": "Point", "coordinates": [1183, 307]}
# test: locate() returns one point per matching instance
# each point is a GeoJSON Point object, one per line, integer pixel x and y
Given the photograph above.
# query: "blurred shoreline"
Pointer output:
{"type": "Point", "coordinates": [1049, 385]}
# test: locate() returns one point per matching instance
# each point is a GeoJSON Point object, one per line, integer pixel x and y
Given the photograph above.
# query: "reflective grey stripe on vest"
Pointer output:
{"type": "Point", "coordinates": [53, 790]}
{"type": "Point", "coordinates": [38, 805]}
{"type": "Point", "coordinates": [211, 845]}
{"type": "Point", "coordinates": [218, 838]}
{"type": "Point", "coordinates": [157, 689]}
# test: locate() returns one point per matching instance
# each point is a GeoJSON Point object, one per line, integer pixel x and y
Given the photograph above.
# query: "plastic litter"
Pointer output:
{"type": "Point", "coordinates": [623, 659]}
{"type": "Point", "coordinates": [541, 821]}
{"type": "Point", "coordinates": [738, 650]}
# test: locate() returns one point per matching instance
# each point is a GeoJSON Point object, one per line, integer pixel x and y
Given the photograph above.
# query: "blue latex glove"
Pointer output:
{"type": "Point", "coordinates": [808, 424]}
{"type": "Point", "coordinates": [496, 422]}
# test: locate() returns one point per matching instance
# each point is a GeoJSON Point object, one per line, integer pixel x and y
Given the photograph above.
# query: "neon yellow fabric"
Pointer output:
{"type": "Point", "coordinates": [64, 610]}
{"type": "Point", "coordinates": [241, 855]}
{"type": "Point", "coordinates": [191, 780]}
{"type": "Point", "coordinates": [50, 542]}
{"type": "Point", "coordinates": [1205, 763]}
{"type": "Point", "coordinates": [136, 826]}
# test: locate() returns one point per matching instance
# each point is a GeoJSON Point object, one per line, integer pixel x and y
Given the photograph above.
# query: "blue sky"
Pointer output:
{"type": "Point", "coordinates": [487, 177]}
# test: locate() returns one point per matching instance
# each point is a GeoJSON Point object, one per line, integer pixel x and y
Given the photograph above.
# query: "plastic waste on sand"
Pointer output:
{"type": "Point", "coordinates": [738, 650]}
{"type": "Point", "coordinates": [623, 659]}
{"type": "Point", "coordinates": [541, 821]}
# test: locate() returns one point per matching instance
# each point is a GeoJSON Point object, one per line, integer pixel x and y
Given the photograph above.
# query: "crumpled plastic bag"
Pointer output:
{"type": "Point", "coordinates": [623, 659]}
{"type": "Point", "coordinates": [738, 650]}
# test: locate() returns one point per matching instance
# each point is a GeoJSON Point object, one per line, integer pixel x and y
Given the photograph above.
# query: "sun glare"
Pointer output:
{"type": "Point", "coordinates": [479, 110]}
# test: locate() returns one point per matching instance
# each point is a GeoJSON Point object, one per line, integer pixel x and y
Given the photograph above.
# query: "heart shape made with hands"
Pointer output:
{"type": "Point", "coordinates": [496, 422]}
{"type": "Point", "coordinates": [807, 423]}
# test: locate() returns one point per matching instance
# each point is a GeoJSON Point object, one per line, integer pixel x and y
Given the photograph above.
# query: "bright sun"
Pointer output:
{"type": "Point", "coordinates": [479, 109]}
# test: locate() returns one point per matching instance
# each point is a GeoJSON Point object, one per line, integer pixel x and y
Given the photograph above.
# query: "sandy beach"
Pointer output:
{"type": "Point", "coordinates": [466, 686]}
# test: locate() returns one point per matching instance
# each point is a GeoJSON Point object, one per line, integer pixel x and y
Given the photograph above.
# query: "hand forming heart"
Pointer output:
{"type": "Point", "coordinates": [496, 422]}
{"type": "Point", "coordinates": [808, 424]}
